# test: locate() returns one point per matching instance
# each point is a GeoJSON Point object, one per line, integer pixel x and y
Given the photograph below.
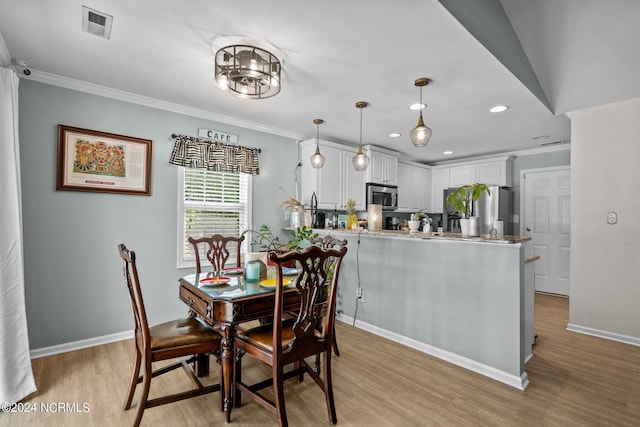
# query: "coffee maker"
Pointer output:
{"type": "Point", "coordinates": [392, 223]}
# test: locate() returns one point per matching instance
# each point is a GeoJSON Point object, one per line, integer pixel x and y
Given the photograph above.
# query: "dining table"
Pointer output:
{"type": "Point", "coordinates": [225, 303]}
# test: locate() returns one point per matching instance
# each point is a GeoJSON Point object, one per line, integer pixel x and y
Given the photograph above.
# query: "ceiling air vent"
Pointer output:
{"type": "Point", "coordinates": [96, 23]}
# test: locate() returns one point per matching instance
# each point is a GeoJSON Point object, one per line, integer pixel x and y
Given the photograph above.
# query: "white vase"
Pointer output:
{"type": "Point", "coordinates": [474, 226]}
{"type": "Point", "coordinates": [296, 219]}
{"type": "Point", "coordinates": [464, 226]}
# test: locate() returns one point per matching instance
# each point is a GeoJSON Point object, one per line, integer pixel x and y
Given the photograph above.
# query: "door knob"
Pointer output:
{"type": "Point", "coordinates": [528, 229]}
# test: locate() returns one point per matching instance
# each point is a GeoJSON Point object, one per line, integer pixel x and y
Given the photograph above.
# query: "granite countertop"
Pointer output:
{"type": "Point", "coordinates": [484, 238]}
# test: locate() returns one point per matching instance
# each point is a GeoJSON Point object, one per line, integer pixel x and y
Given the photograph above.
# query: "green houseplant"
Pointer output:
{"type": "Point", "coordinates": [264, 238]}
{"type": "Point", "coordinates": [301, 238]}
{"type": "Point", "coordinates": [462, 201]}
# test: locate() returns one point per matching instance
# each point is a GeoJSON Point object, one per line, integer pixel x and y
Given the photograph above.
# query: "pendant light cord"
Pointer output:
{"type": "Point", "coordinates": [361, 127]}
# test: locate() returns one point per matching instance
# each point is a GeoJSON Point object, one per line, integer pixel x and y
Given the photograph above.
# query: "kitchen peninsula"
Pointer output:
{"type": "Point", "coordinates": [461, 299]}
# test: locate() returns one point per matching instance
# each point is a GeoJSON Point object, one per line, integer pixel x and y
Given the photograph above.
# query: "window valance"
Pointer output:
{"type": "Point", "coordinates": [202, 153]}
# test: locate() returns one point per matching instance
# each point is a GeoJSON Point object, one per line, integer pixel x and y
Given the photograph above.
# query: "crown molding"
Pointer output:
{"type": "Point", "coordinates": [519, 153]}
{"type": "Point", "coordinates": [107, 92]}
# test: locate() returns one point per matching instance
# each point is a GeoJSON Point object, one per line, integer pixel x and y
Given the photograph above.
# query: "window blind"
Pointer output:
{"type": "Point", "coordinates": [212, 203]}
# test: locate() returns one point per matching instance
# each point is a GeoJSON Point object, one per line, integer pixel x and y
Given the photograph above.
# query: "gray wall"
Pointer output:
{"type": "Point", "coordinates": [605, 291]}
{"type": "Point", "coordinates": [535, 161]}
{"type": "Point", "coordinates": [73, 277]}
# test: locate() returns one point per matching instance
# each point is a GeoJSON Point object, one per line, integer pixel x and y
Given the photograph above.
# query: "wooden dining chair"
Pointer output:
{"type": "Point", "coordinates": [181, 338]}
{"type": "Point", "coordinates": [329, 242]}
{"type": "Point", "coordinates": [290, 340]}
{"type": "Point", "coordinates": [215, 249]}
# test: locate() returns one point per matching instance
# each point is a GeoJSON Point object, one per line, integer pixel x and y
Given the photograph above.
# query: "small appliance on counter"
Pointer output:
{"type": "Point", "coordinates": [392, 223]}
{"type": "Point", "coordinates": [320, 220]}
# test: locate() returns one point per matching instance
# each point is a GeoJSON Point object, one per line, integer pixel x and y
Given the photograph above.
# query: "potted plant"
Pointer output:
{"type": "Point", "coordinates": [351, 221]}
{"type": "Point", "coordinates": [264, 238]}
{"type": "Point", "coordinates": [462, 200]}
{"type": "Point", "coordinates": [414, 222]}
{"type": "Point", "coordinates": [301, 238]}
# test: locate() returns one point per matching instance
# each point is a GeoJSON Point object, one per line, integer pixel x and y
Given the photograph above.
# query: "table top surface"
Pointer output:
{"type": "Point", "coordinates": [236, 288]}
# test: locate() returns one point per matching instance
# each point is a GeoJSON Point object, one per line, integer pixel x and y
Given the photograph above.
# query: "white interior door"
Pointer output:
{"type": "Point", "coordinates": [546, 195]}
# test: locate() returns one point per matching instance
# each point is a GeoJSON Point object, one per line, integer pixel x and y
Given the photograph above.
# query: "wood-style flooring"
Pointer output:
{"type": "Point", "coordinates": [576, 380]}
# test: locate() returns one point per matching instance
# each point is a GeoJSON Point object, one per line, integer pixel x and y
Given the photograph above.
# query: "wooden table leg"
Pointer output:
{"type": "Point", "coordinates": [201, 365]}
{"type": "Point", "coordinates": [228, 366]}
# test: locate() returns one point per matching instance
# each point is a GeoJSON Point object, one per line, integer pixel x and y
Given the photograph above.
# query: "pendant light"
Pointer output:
{"type": "Point", "coordinates": [421, 134]}
{"type": "Point", "coordinates": [360, 160]}
{"type": "Point", "coordinates": [317, 160]}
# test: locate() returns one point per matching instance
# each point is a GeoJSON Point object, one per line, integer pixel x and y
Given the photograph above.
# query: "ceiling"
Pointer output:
{"type": "Point", "coordinates": [543, 58]}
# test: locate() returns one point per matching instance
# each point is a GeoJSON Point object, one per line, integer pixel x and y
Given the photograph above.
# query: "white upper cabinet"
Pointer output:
{"type": "Point", "coordinates": [414, 187]}
{"type": "Point", "coordinates": [405, 187]}
{"type": "Point", "coordinates": [330, 179]}
{"type": "Point", "coordinates": [462, 175]}
{"type": "Point", "coordinates": [439, 182]}
{"type": "Point", "coordinates": [354, 181]}
{"type": "Point", "coordinates": [424, 195]}
{"type": "Point", "coordinates": [383, 166]}
{"type": "Point", "coordinates": [336, 181]}
{"type": "Point", "coordinates": [493, 171]}
{"type": "Point", "coordinates": [499, 172]}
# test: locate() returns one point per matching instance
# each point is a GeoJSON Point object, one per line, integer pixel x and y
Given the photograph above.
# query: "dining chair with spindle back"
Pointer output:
{"type": "Point", "coordinates": [289, 340]}
{"type": "Point", "coordinates": [214, 248]}
{"type": "Point", "coordinates": [329, 242]}
{"type": "Point", "coordinates": [182, 338]}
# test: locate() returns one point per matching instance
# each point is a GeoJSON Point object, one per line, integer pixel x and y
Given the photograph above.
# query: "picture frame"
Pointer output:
{"type": "Point", "coordinates": [102, 162]}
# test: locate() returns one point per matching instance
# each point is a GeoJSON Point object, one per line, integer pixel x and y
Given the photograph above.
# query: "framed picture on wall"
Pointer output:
{"type": "Point", "coordinates": [90, 160]}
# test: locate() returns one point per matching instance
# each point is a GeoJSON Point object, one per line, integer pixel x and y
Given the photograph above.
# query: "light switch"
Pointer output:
{"type": "Point", "coordinates": [612, 218]}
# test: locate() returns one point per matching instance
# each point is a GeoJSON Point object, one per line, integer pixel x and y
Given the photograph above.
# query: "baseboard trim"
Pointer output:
{"type": "Point", "coordinates": [626, 339]}
{"type": "Point", "coordinates": [519, 382]}
{"type": "Point", "coordinates": [79, 345]}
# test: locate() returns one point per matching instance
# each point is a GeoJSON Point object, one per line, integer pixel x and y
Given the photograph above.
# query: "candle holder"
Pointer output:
{"type": "Point", "coordinates": [374, 213]}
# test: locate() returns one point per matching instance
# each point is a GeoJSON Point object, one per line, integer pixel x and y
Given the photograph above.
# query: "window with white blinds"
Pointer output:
{"type": "Point", "coordinates": [211, 203]}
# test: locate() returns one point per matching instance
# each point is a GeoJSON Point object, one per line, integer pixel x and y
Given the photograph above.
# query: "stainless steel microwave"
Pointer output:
{"type": "Point", "coordinates": [385, 195]}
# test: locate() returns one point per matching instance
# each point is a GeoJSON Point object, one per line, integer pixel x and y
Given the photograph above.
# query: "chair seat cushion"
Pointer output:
{"type": "Point", "coordinates": [181, 332]}
{"type": "Point", "coordinates": [262, 336]}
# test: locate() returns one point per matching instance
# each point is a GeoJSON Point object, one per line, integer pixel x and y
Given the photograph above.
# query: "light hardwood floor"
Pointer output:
{"type": "Point", "coordinates": [576, 380]}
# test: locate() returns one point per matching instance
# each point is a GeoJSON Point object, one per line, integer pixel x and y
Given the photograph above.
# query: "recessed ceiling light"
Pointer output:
{"type": "Point", "coordinates": [447, 152]}
{"type": "Point", "coordinates": [417, 106]}
{"type": "Point", "coordinates": [499, 108]}
{"type": "Point", "coordinates": [394, 135]}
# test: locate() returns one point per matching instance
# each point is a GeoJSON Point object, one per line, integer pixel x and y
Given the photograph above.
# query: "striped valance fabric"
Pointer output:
{"type": "Point", "coordinates": [200, 153]}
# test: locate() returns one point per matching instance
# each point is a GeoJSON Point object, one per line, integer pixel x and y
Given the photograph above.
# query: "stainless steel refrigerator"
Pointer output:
{"type": "Point", "coordinates": [498, 206]}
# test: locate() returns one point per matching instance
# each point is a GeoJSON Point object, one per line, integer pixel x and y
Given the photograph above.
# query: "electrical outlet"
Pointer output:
{"type": "Point", "coordinates": [360, 294]}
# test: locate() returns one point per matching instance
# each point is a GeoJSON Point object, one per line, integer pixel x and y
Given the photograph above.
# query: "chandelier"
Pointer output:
{"type": "Point", "coordinates": [247, 68]}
